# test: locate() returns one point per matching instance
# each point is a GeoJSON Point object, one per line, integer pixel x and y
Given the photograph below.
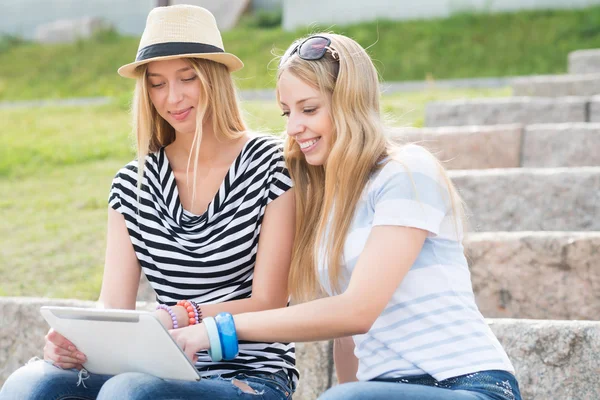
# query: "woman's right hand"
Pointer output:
{"type": "Point", "coordinates": [61, 352]}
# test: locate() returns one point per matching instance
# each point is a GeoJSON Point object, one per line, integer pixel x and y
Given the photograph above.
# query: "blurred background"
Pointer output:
{"type": "Point", "coordinates": [64, 110]}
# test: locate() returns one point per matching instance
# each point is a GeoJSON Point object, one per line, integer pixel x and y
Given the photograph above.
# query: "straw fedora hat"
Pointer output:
{"type": "Point", "coordinates": [180, 31]}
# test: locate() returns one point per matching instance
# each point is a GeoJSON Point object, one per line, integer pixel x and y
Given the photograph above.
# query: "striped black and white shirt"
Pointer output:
{"type": "Point", "coordinates": [207, 258]}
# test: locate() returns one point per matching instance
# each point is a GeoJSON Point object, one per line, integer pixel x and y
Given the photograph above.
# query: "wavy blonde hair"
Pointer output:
{"type": "Point", "coordinates": [218, 104]}
{"type": "Point", "coordinates": [347, 77]}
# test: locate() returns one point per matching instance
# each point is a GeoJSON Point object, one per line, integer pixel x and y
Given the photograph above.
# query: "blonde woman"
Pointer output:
{"type": "Point", "coordinates": [206, 212]}
{"type": "Point", "coordinates": [378, 230]}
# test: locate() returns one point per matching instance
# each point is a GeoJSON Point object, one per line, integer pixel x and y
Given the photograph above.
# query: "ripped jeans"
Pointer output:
{"type": "Point", "coordinates": [484, 385]}
{"type": "Point", "coordinates": [41, 380]}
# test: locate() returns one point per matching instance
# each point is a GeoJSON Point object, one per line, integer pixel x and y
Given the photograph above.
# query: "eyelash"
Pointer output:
{"type": "Point", "coordinates": [305, 111]}
{"type": "Point", "coordinates": [184, 80]}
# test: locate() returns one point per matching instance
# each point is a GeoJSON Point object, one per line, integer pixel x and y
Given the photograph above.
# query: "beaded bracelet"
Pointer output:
{"type": "Point", "coordinates": [228, 335]}
{"type": "Point", "coordinates": [198, 310]}
{"type": "Point", "coordinates": [191, 311]}
{"type": "Point", "coordinates": [171, 313]}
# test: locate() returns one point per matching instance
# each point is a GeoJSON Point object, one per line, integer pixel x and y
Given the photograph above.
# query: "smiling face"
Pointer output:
{"type": "Point", "coordinates": [175, 90]}
{"type": "Point", "coordinates": [308, 117]}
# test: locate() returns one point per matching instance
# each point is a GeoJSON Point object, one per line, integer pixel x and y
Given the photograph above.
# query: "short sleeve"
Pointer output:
{"type": "Point", "coordinates": [410, 191]}
{"type": "Point", "coordinates": [279, 177]}
{"type": "Point", "coordinates": [114, 197]}
{"type": "Point", "coordinates": [121, 187]}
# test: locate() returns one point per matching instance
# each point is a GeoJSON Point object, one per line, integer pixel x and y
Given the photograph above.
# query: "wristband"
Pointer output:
{"type": "Point", "coordinates": [227, 334]}
{"type": "Point", "coordinates": [214, 351]}
{"type": "Point", "coordinates": [171, 314]}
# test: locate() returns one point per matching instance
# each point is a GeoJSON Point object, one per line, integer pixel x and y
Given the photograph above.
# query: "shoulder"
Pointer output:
{"type": "Point", "coordinates": [411, 172]}
{"type": "Point", "coordinates": [410, 160]}
{"type": "Point", "coordinates": [261, 145]}
{"type": "Point", "coordinates": [267, 156]}
{"type": "Point", "coordinates": [152, 163]}
{"type": "Point", "coordinates": [128, 170]}
{"type": "Point", "coordinates": [265, 149]}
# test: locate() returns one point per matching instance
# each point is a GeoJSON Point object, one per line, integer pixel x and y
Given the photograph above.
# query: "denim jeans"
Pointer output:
{"type": "Point", "coordinates": [41, 380]}
{"type": "Point", "coordinates": [484, 385]}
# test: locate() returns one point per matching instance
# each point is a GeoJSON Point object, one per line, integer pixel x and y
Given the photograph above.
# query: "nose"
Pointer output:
{"type": "Point", "coordinates": [175, 93]}
{"type": "Point", "coordinates": [295, 125]}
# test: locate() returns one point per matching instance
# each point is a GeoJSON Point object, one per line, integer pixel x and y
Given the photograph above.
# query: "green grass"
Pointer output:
{"type": "Point", "coordinates": [56, 166]}
{"type": "Point", "coordinates": [465, 45]}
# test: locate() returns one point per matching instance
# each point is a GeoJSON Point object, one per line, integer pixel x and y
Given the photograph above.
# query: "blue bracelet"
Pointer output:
{"type": "Point", "coordinates": [214, 351]}
{"type": "Point", "coordinates": [227, 334]}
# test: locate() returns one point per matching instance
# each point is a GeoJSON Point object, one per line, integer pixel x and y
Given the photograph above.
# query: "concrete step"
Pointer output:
{"type": "Point", "coordinates": [594, 109]}
{"type": "Point", "coordinates": [531, 199]}
{"type": "Point", "coordinates": [584, 61]}
{"type": "Point", "coordinates": [561, 145]}
{"type": "Point", "coordinates": [509, 146]}
{"type": "Point", "coordinates": [557, 85]}
{"type": "Point", "coordinates": [553, 359]}
{"type": "Point", "coordinates": [508, 110]}
{"type": "Point", "coordinates": [541, 275]}
{"type": "Point", "coordinates": [469, 147]}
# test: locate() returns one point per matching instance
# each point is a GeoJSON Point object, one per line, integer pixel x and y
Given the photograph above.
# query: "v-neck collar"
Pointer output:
{"type": "Point", "coordinates": [170, 192]}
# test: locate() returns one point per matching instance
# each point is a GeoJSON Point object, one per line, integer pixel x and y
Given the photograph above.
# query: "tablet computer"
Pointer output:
{"type": "Point", "coordinates": [118, 341]}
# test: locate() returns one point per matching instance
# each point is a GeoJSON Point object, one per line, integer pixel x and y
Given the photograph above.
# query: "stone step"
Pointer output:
{"type": "Point", "coordinates": [531, 199]}
{"type": "Point", "coordinates": [557, 85]}
{"type": "Point", "coordinates": [553, 359]}
{"type": "Point", "coordinates": [509, 146]}
{"type": "Point", "coordinates": [594, 109]}
{"type": "Point", "coordinates": [541, 275]}
{"type": "Point", "coordinates": [468, 147]}
{"type": "Point", "coordinates": [507, 110]}
{"type": "Point", "coordinates": [561, 145]}
{"type": "Point", "coordinates": [584, 61]}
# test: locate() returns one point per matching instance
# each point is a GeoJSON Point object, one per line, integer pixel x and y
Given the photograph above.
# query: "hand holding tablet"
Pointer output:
{"type": "Point", "coordinates": [118, 341]}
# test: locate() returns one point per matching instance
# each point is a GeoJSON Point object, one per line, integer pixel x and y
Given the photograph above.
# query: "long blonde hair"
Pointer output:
{"type": "Point", "coordinates": [347, 76]}
{"type": "Point", "coordinates": [218, 103]}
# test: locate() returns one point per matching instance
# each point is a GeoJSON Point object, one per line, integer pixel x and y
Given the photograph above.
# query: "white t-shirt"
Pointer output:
{"type": "Point", "coordinates": [431, 325]}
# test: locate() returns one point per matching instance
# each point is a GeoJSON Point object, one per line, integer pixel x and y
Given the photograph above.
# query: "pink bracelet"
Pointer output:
{"type": "Point", "coordinates": [171, 313]}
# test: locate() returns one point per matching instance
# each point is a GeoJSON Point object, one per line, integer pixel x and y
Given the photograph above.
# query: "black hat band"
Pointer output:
{"type": "Point", "coordinates": [174, 49]}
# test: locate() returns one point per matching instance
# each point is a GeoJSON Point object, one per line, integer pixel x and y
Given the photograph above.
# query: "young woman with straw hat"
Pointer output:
{"type": "Point", "coordinates": [378, 230]}
{"type": "Point", "coordinates": [188, 212]}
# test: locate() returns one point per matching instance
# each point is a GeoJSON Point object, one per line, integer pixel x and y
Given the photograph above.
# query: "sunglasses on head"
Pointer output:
{"type": "Point", "coordinates": [313, 48]}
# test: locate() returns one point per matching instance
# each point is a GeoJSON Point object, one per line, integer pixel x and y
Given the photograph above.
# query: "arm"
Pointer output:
{"type": "Point", "coordinates": [389, 253]}
{"type": "Point", "coordinates": [121, 267]}
{"type": "Point", "coordinates": [346, 363]}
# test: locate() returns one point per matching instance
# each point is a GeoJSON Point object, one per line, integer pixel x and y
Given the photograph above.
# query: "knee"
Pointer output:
{"type": "Point", "coordinates": [35, 380]}
{"type": "Point", "coordinates": [130, 385]}
{"type": "Point", "coordinates": [344, 391]}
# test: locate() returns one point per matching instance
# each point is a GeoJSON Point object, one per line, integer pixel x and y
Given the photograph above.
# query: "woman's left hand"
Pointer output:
{"type": "Point", "coordinates": [191, 340]}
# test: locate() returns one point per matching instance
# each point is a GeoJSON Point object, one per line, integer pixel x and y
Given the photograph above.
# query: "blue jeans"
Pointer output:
{"type": "Point", "coordinates": [485, 385]}
{"type": "Point", "coordinates": [41, 380]}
